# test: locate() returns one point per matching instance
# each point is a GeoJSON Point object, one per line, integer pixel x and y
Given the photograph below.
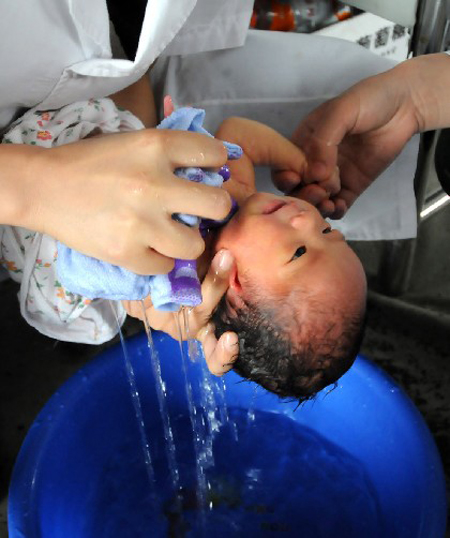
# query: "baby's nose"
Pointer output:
{"type": "Point", "coordinates": [303, 220]}
{"type": "Point", "coordinates": [311, 228]}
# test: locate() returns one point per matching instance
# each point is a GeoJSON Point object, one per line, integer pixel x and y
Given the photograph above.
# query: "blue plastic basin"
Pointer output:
{"type": "Point", "coordinates": [367, 416]}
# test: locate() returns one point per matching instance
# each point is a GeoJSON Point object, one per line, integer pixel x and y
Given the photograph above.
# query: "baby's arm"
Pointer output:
{"type": "Point", "coordinates": [262, 146]}
{"type": "Point", "coordinates": [139, 100]}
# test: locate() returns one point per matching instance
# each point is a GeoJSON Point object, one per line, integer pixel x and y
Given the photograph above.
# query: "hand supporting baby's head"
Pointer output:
{"type": "Point", "coordinates": [296, 298]}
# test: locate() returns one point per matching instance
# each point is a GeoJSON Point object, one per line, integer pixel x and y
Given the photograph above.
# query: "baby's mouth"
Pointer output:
{"type": "Point", "coordinates": [273, 206]}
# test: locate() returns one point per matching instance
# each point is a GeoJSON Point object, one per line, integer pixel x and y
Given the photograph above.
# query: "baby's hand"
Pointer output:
{"type": "Point", "coordinates": [219, 353]}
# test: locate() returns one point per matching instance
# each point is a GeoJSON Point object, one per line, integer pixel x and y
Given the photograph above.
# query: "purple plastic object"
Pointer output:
{"type": "Point", "coordinates": [225, 172]}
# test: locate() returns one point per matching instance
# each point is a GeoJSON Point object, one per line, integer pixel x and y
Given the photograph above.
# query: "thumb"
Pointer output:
{"type": "Point", "coordinates": [216, 281]}
{"type": "Point", "coordinates": [285, 157]}
{"type": "Point", "coordinates": [320, 134]}
{"type": "Point", "coordinates": [219, 354]}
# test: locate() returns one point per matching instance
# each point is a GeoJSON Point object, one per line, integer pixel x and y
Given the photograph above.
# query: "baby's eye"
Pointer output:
{"type": "Point", "coordinates": [327, 230]}
{"type": "Point", "coordinates": [299, 252]}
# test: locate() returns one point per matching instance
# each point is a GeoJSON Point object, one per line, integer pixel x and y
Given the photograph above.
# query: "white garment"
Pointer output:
{"type": "Point", "coordinates": [56, 52]}
{"type": "Point", "coordinates": [278, 78]}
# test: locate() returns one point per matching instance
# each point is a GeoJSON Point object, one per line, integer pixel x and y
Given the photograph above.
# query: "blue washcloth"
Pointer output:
{"type": "Point", "coordinates": [94, 279]}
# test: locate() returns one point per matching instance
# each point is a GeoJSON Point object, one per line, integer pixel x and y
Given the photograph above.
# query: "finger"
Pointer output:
{"type": "Point", "coordinates": [286, 180]}
{"type": "Point", "coordinates": [284, 155]}
{"type": "Point", "coordinates": [130, 308]}
{"type": "Point", "coordinates": [135, 309]}
{"type": "Point", "coordinates": [174, 239]}
{"type": "Point", "coordinates": [168, 106]}
{"type": "Point", "coordinates": [185, 149]}
{"type": "Point", "coordinates": [219, 354]}
{"type": "Point", "coordinates": [347, 195]}
{"type": "Point", "coordinates": [318, 197]}
{"type": "Point", "coordinates": [333, 184]}
{"type": "Point", "coordinates": [216, 281]}
{"type": "Point", "coordinates": [340, 209]}
{"type": "Point", "coordinates": [330, 122]}
{"type": "Point", "coordinates": [146, 303]}
{"type": "Point", "coordinates": [314, 194]}
{"type": "Point", "coordinates": [145, 261]}
{"type": "Point", "coordinates": [326, 208]}
{"type": "Point", "coordinates": [322, 158]}
{"type": "Point", "coordinates": [321, 132]}
{"type": "Point", "coordinates": [196, 199]}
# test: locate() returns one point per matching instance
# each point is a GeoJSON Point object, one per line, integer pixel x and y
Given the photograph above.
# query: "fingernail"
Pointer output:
{"type": "Point", "coordinates": [319, 169]}
{"type": "Point", "coordinates": [223, 261]}
{"type": "Point", "coordinates": [230, 340]}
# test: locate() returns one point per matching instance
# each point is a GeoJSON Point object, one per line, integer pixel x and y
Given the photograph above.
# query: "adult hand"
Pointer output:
{"type": "Point", "coordinates": [113, 196]}
{"type": "Point", "coordinates": [219, 354]}
{"type": "Point", "coordinates": [351, 139]}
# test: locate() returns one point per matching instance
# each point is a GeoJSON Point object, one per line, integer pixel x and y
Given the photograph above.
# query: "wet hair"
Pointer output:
{"type": "Point", "coordinates": [291, 358]}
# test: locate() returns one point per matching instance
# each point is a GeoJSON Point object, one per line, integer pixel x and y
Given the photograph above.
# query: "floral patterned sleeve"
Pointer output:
{"type": "Point", "coordinates": [30, 257]}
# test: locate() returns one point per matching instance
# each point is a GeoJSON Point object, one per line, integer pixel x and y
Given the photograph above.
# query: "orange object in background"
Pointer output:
{"type": "Point", "coordinates": [273, 15]}
{"type": "Point", "coordinates": [283, 17]}
{"type": "Point", "coordinates": [297, 15]}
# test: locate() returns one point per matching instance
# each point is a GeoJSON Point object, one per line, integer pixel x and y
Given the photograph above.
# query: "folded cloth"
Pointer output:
{"type": "Point", "coordinates": [95, 279]}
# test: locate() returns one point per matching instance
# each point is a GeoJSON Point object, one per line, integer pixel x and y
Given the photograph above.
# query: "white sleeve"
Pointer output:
{"type": "Point", "coordinates": [46, 305]}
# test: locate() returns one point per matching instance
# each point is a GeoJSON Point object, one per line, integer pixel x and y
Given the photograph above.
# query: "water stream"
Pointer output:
{"type": "Point", "coordinates": [163, 411]}
{"type": "Point", "coordinates": [198, 426]}
{"type": "Point", "coordinates": [208, 414]}
{"type": "Point", "coordinates": [136, 400]}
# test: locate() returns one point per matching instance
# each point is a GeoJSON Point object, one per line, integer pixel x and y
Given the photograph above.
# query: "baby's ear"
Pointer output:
{"type": "Point", "coordinates": [234, 281]}
{"type": "Point", "coordinates": [234, 294]}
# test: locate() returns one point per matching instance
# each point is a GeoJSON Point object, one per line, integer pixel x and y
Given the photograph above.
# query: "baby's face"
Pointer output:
{"type": "Point", "coordinates": [282, 243]}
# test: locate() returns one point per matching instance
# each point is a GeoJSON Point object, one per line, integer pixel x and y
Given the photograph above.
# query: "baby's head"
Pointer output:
{"type": "Point", "coordinates": [296, 297]}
